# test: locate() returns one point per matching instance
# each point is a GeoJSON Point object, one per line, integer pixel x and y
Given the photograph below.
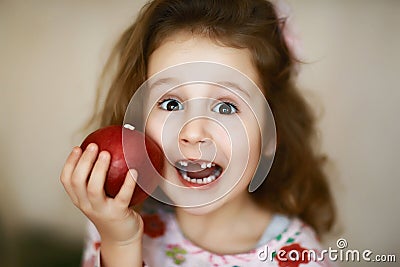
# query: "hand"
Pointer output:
{"type": "Point", "coordinates": [83, 178]}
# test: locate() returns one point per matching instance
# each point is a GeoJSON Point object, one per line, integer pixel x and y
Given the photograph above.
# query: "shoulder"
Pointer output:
{"type": "Point", "coordinates": [298, 232]}
{"type": "Point", "coordinates": [162, 239]}
{"type": "Point", "coordinates": [156, 217]}
{"type": "Point", "coordinates": [296, 244]}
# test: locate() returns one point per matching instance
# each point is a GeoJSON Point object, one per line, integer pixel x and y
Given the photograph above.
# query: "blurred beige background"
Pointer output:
{"type": "Point", "coordinates": [51, 55]}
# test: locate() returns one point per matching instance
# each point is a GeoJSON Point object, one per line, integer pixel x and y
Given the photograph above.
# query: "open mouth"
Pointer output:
{"type": "Point", "coordinates": [198, 173]}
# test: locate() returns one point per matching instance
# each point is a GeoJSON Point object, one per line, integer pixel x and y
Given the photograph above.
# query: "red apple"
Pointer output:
{"type": "Point", "coordinates": [141, 153]}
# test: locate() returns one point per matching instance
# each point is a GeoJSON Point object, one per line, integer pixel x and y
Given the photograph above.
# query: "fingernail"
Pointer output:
{"type": "Point", "coordinates": [92, 147]}
{"type": "Point", "coordinates": [133, 173]}
{"type": "Point", "coordinates": [103, 155]}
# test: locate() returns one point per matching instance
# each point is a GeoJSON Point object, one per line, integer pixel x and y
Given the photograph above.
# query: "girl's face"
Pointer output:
{"type": "Point", "coordinates": [208, 158]}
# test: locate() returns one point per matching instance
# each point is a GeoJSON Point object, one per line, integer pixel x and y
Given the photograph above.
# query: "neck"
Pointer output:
{"type": "Point", "coordinates": [212, 229]}
{"type": "Point", "coordinates": [217, 216]}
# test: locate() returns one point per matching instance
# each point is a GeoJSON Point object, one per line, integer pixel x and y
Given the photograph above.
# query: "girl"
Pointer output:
{"type": "Point", "coordinates": [274, 225]}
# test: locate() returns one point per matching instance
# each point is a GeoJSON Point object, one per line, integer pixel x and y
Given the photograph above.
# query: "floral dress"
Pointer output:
{"type": "Point", "coordinates": [283, 244]}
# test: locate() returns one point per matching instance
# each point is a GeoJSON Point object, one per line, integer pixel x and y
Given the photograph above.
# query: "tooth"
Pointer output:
{"type": "Point", "coordinates": [205, 180]}
{"type": "Point", "coordinates": [199, 181]}
{"type": "Point", "coordinates": [203, 165]}
{"type": "Point", "coordinates": [193, 180]}
{"type": "Point", "coordinates": [213, 164]}
{"type": "Point", "coordinates": [212, 177]}
{"type": "Point", "coordinates": [208, 179]}
{"type": "Point", "coordinates": [184, 174]}
{"type": "Point", "coordinates": [209, 165]}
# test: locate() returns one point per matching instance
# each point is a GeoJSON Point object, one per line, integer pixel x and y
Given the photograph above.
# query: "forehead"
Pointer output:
{"type": "Point", "coordinates": [183, 47]}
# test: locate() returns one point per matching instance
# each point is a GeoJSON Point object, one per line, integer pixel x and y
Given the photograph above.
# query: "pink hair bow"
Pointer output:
{"type": "Point", "coordinates": [289, 31]}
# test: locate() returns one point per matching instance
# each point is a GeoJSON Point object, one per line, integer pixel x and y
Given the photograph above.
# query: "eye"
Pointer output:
{"type": "Point", "coordinates": [170, 104]}
{"type": "Point", "coordinates": [225, 108]}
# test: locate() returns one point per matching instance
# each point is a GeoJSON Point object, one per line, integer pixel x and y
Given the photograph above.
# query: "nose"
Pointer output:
{"type": "Point", "coordinates": [195, 140]}
{"type": "Point", "coordinates": [194, 133]}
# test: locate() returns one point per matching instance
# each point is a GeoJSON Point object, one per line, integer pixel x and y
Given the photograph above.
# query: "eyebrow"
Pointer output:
{"type": "Point", "coordinates": [234, 86]}
{"type": "Point", "coordinates": [175, 82]}
{"type": "Point", "coordinates": [163, 81]}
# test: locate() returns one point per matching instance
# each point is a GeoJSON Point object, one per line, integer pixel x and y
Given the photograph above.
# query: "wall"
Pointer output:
{"type": "Point", "coordinates": [52, 53]}
{"type": "Point", "coordinates": [352, 51]}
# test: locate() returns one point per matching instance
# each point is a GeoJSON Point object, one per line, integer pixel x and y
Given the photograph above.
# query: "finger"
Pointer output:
{"type": "Point", "coordinates": [82, 172]}
{"type": "Point", "coordinates": [95, 187]}
{"type": "Point", "coordinates": [125, 193]}
{"type": "Point", "coordinates": [66, 173]}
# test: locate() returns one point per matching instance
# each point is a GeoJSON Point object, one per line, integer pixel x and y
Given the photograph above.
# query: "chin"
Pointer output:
{"type": "Point", "coordinates": [204, 209]}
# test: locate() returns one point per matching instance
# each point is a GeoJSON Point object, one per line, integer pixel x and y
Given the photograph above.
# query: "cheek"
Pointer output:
{"type": "Point", "coordinates": [153, 129]}
{"type": "Point", "coordinates": [250, 146]}
{"type": "Point", "coordinates": [222, 139]}
{"type": "Point", "coordinates": [253, 132]}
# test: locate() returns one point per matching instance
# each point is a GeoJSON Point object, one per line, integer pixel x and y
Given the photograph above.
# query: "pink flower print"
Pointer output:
{"type": "Point", "coordinates": [176, 252]}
